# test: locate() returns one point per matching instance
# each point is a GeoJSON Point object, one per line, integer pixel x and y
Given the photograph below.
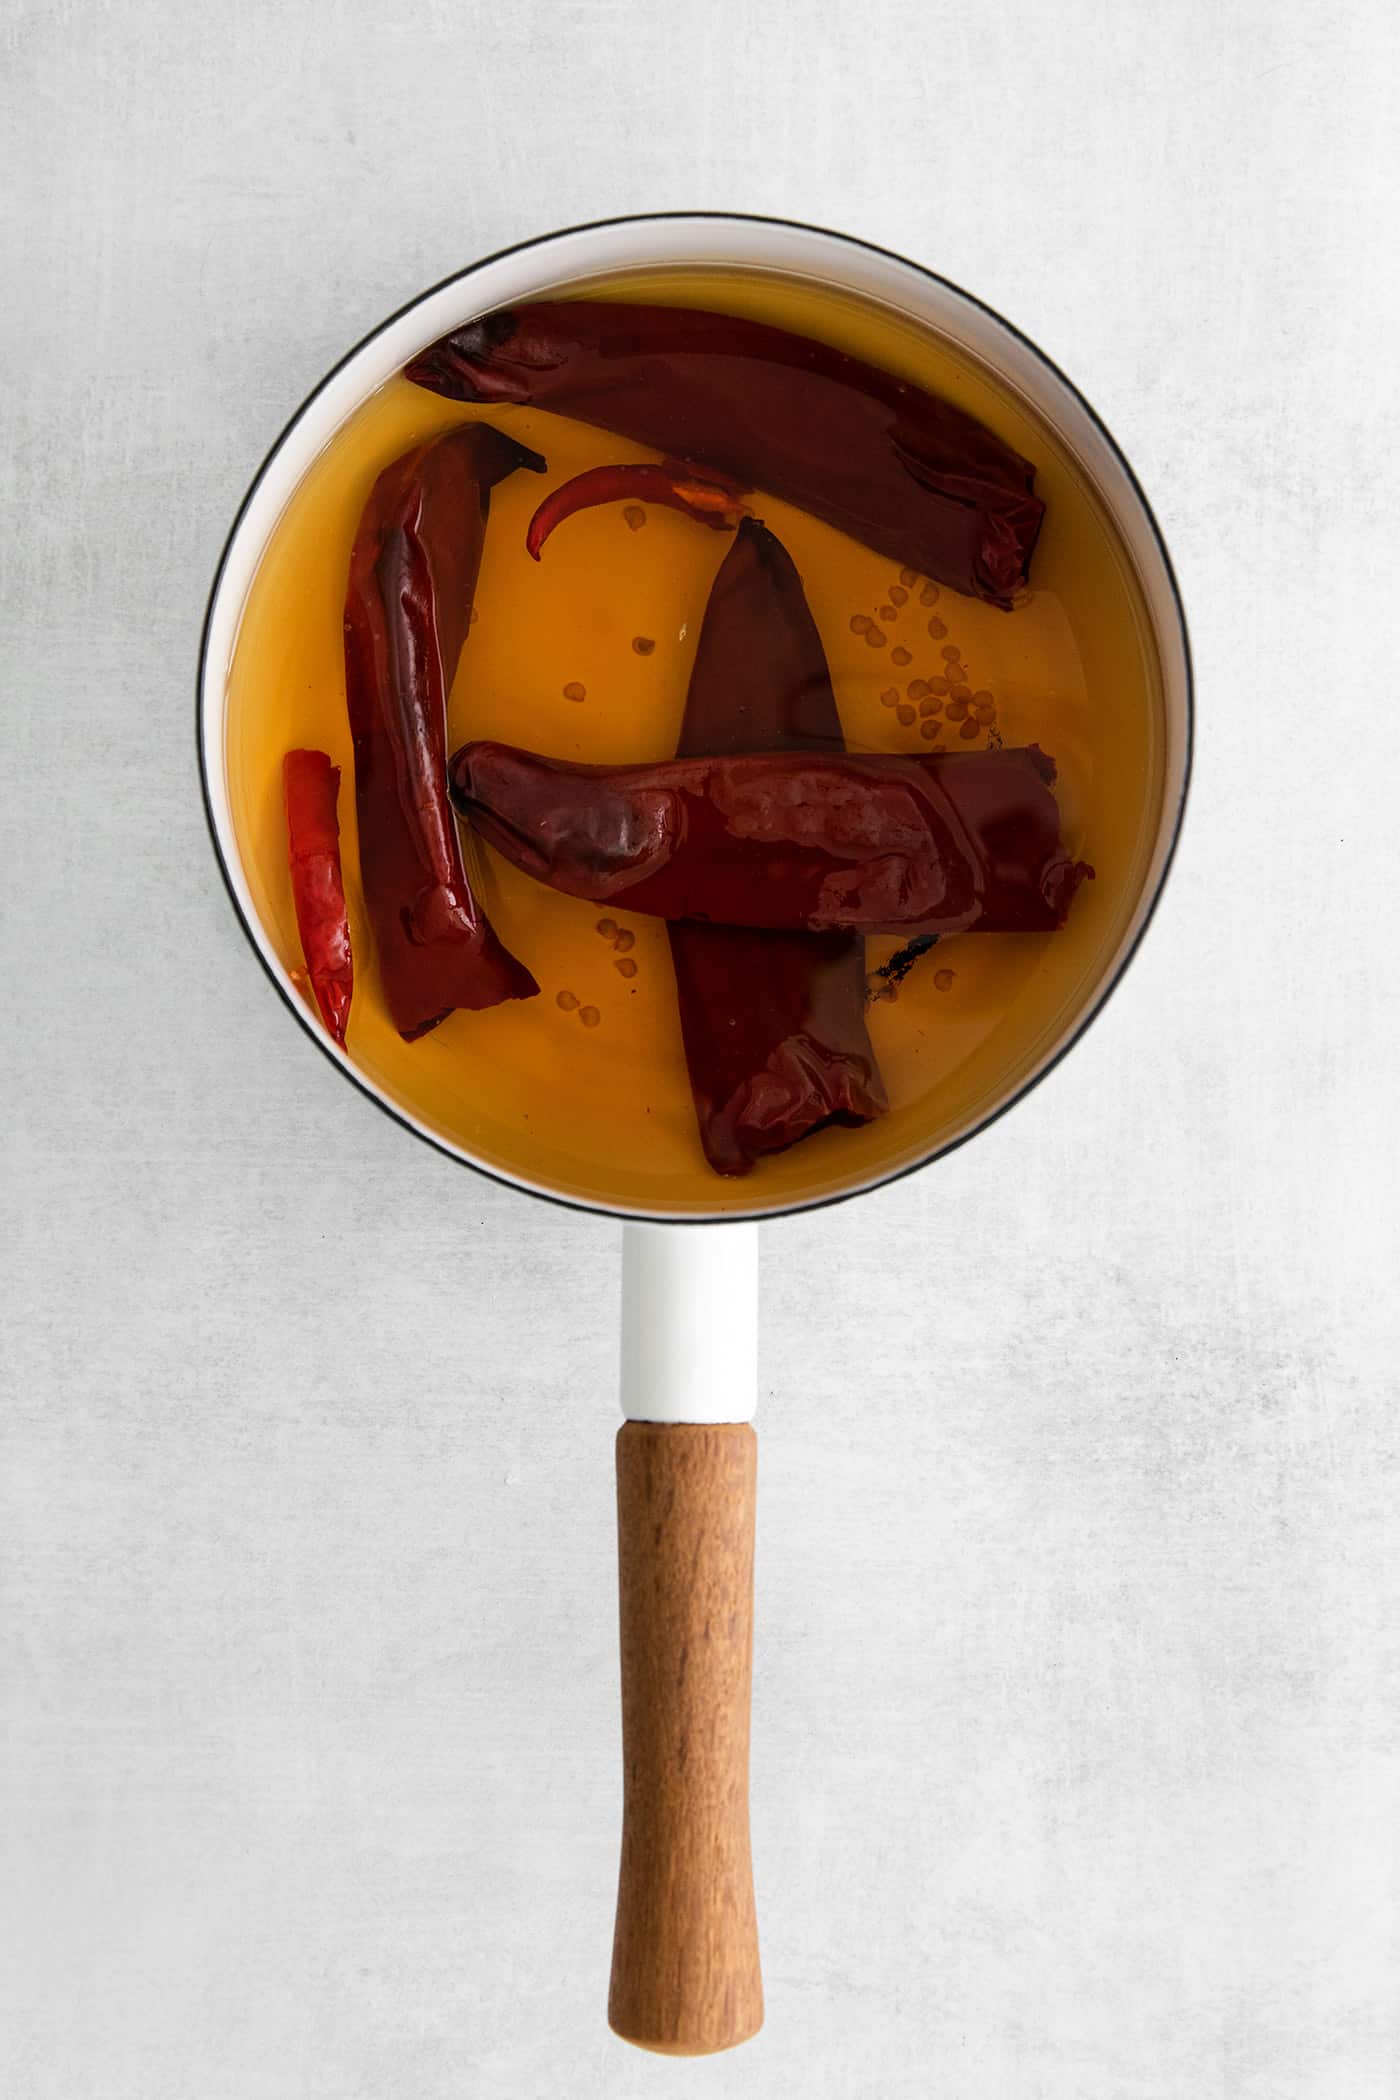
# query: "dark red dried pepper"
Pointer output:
{"type": "Point", "coordinates": [708, 498]}
{"type": "Point", "coordinates": [898, 469]}
{"type": "Point", "coordinates": [311, 789]}
{"type": "Point", "coordinates": [773, 1023]}
{"type": "Point", "coordinates": [412, 574]}
{"type": "Point", "coordinates": [956, 842]}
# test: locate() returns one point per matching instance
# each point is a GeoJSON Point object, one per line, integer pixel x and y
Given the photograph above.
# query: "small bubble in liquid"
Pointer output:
{"type": "Point", "coordinates": [590, 1016]}
{"type": "Point", "coordinates": [643, 644]}
{"type": "Point", "coordinates": [636, 517]}
{"type": "Point", "coordinates": [626, 968]}
{"type": "Point", "coordinates": [608, 929]}
{"type": "Point", "coordinates": [906, 716]}
{"type": "Point", "coordinates": [900, 657]}
{"type": "Point", "coordinates": [943, 980]}
{"type": "Point", "coordinates": [929, 594]}
{"type": "Point", "coordinates": [908, 576]}
{"type": "Point", "coordinates": [937, 629]}
{"type": "Point", "coordinates": [898, 596]}
{"type": "Point", "coordinates": [890, 696]}
{"type": "Point", "coordinates": [574, 691]}
{"type": "Point", "coordinates": [860, 623]}
{"type": "Point", "coordinates": [566, 1001]}
{"type": "Point", "coordinates": [626, 939]}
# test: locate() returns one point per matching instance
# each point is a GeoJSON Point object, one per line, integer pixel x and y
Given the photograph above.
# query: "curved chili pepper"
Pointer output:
{"type": "Point", "coordinates": [956, 842]}
{"type": "Point", "coordinates": [413, 570]}
{"type": "Point", "coordinates": [311, 788]}
{"type": "Point", "coordinates": [773, 1023]}
{"type": "Point", "coordinates": [876, 456]}
{"type": "Point", "coordinates": [711, 499]}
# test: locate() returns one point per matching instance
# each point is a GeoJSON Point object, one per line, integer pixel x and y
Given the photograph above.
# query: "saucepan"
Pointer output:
{"type": "Point", "coordinates": [685, 1971]}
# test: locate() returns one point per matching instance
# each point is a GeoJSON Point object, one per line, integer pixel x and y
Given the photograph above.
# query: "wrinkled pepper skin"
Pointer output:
{"type": "Point", "coordinates": [773, 1023]}
{"type": "Point", "coordinates": [413, 570]}
{"type": "Point", "coordinates": [311, 793]}
{"type": "Point", "coordinates": [898, 469]}
{"type": "Point", "coordinates": [956, 842]}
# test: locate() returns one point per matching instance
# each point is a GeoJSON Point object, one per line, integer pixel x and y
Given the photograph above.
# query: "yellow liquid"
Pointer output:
{"type": "Point", "coordinates": [603, 1113]}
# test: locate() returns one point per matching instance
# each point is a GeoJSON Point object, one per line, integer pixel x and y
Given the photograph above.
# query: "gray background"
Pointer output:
{"type": "Point", "coordinates": [1077, 1746]}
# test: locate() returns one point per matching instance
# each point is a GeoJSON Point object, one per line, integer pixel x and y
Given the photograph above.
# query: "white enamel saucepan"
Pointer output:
{"type": "Point", "coordinates": [685, 1976]}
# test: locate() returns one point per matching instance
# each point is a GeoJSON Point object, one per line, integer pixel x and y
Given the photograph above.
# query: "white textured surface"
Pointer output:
{"type": "Point", "coordinates": [1077, 1737]}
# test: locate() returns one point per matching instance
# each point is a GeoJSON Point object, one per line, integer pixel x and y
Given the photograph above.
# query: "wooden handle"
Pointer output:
{"type": "Point", "coordinates": [685, 1971]}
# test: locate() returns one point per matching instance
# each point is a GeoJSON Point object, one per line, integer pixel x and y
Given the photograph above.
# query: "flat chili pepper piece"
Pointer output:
{"type": "Point", "coordinates": [953, 843]}
{"type": "Point", "coordinates": [897, 468]}
{"type": "Point", "coordinates": [773, 1023]}
{"type": "Point", "coordinates": [708, 498]}
{"type": "Point", "coordinates": [311, 789]}
{"type": "Point", "coordinates": [413, 570]}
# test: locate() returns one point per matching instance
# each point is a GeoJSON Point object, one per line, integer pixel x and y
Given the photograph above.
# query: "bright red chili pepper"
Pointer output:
{"type": "Point", "coordinates": [311, 788]}
{"type": "Point", "coordinates": [773, 1024]}
{"type": "Point", "coordinates": [413, 570]}
{"type": "Point", "coordinates": [874, 455]}
{"type": "Point", "coordinates": [956, 842]}
{"type": "Point", "coordinates": [712, 499]}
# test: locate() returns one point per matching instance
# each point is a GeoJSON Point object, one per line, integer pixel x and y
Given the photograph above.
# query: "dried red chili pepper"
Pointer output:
{"type": "Point", "coordinates": [773, 1023]}
{"type": "Point", "coordinates": [412, 574]}
{"type": "Point", "coordinates": [708, 498]}
{"type": "Point", "coordinates": [310, 789]}
{"type": "Point", "coordinates": [898, 469]}
{"type": "Point", "coordinates": [952, 843]}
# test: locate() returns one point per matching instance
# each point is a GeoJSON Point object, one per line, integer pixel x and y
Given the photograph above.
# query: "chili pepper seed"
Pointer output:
{"type": "Point", "coordinates": [590, 1016]}
{"type": "Point", "coordinates": [643, 644]}
{"type": "Point", "coordinates": [860, 623]}
{"type": "Point", "coordinates": [890, 696]}
{"type": "Point", "coordinates": [625, 940]}
{"type": "Point", "coordinates": [900, 657]}
{"type": "Point", "coordinates": [574, 691]}
{"type": "Point", "coordinates": [943, 980]}
{"type": "Point", "coordinates": [636, 517]}
{"type": "Point", "coordinates": [626, 968]}
{"type": "Point", "coordinates": [566, 1001]}
{"type": "Point", "coordinates": [909, 577]}
{"type": "Point", "coordinates": [906, 716]}
{"type": "Point", "coordinates": [898, 596]}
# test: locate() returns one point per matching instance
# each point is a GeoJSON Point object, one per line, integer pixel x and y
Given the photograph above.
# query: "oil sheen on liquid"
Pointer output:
{"type": "Point", "coordinates": [587, 654]}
